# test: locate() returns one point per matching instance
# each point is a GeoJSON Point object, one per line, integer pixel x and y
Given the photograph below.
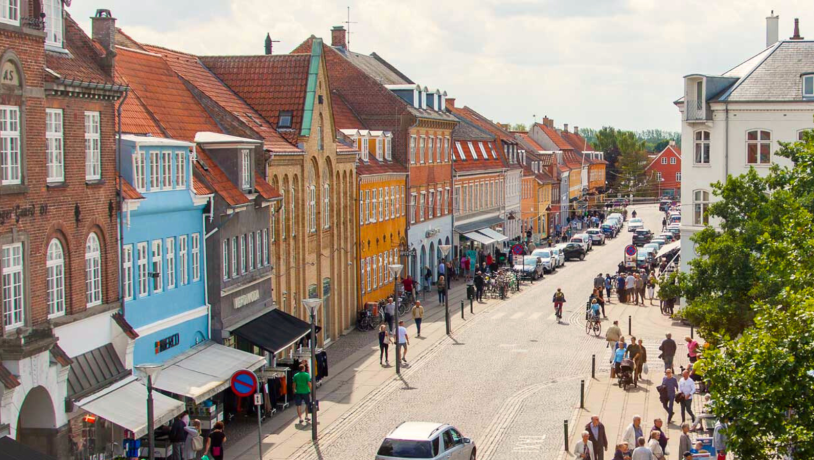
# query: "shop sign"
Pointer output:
{"type": "Point", "coordinates": [167, 343]}
{"type": "Point", "coordinates": [245, 299]}
{"type": "Point", "coordinates": [19, 211]}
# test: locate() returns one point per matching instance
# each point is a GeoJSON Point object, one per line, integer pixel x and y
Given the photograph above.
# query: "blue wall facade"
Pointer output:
{"type": "Point", "coordinates": [170, 313]}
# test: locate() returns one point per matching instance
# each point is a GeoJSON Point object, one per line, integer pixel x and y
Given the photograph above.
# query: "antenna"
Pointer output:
{"type": "Point", "coordinates": [349, 22]}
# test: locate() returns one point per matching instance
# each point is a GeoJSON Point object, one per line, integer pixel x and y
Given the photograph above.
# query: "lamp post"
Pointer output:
{"type": "Point", "coordinates": [312, 305]}
{"type": "Point", "coordinates": [444, 251]}
{"type": "Point", "coordinates": [151, 371]}
{"type": "Point", "coordinates": [395, 270]}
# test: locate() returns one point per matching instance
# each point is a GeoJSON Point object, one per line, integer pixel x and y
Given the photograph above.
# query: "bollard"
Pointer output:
{"type": "Point", "coordinates": [629, 325]}
{"type": "Point", "coordinates": [462, 310]}
{"type": "Point", "coordinates": [565, 433]}
{"type": "Point", "coordinates": [471, 308]}
{"type": "Point", "coordinates": [582, 394]}
{"type": "Point", "coordinates": [692, 334]}
{"type": "Point", "coordinates": [593, 366]}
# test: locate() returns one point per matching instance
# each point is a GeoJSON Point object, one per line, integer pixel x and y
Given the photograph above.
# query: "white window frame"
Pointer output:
{"type": "Point", "coordinates": [446, 148]}
{"type": "Point", "coordinates": [166, 164]}
{"type": "Point", "coordinates": [183, 260]}
{"type": "Point", "coordinates": [282, 216]}
{"type": "Point", "coordinates": [143, 270]}
{"type": "Point", "coordinates": [233, 257]}
{"type": "Point", "coordinates": [127, 271]}
{"type": "Point", "coordinates": [702, 146]}
{"type": "Point", "coordinates": [386, 203]}
{"type": "Point", "coordinates": [196, 257]}
{"type": "Point", "coordinates": [265, 247]}
{"type": "Point", "coordinates": [258, 247]}
{"type": "Point", "coordinates": [412, 149]}
{"type": "Point", "coordinates": [155, 171]}
{"type": "Point", "coordinates": [759, 143]}
{"type": "Point", "coordinates": [672, 160]}
{"type": "Point", "coordinates": [393, 202]}
{"type": "Point", "coordinates": [93, 271]}
{"type": "Point", "coordinates": [379, 148]}
{"type": "Point", "coordinates": [246, 169]}
{"type": "Point", "coordinates": [156, 258]}
{"type": "Point", "coordinates": [421, 204]}
{"type": "Point", "coordinates": [93, 146]}
{"type": "Point", "coordinates": [293, 212]}
{"type": "Point", "coordinates": [224, 258]}
{"type": "Point", "coordinates": [362, 271]}
{"type": "Point", "coordinates": [472, 149]}
{"type": "Point", "coordinates": [401, 201]}
{"type": "Point", "coordinates": [243, 258]}
{"type": "Point", "coordinates": [326, 205]}
{"type": "Point", "coordinates": [664, 160]}
{"type": "Point", "coordinates": [678, 177]}
{"type": "Point", "coordinates": [250, 251]}
{"type": "Point", "coordinates": [13, 285]}
{"type": "Point", "coordinates": [430, 204]}
{"type": "Point", "coordinates": [430, 149]}
{"type": "Point", "coordinates": [373, 201]}
{"type": "Point", "coordinates": [181, 170]}
{"type": "Point", "coordinates": [388, 148]}
{"type": "Point", "coordinates": [139, 171]}
{"type": "Point", "coordinates": [11, 156]}
{"type": "Point", "coordinates": [808, 79]}
{"type": "Point", "coordinates": [54, 145]}
{"type": "Point", "coordinates": [170, 242]}
{"type": "Point", "coordinates": [413, 210]}
{"type": "Point", "coordinates": [700, 207]}
{"type": "Point", "coordinates": [380, 214]}
{"type": "Point", "coordinates": [421, 144]}
{"type": "Point", "coordinates": [54, 32]}
{"type": "Point", "coordinates": [10, 12]}
{"type": "Point", "coordinates": [312, 208]}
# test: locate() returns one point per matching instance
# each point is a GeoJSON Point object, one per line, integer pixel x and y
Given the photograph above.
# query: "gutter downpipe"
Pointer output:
{"type": "Point", "coordinates": [119, 197]}
{"type": "Point", "coordinates": [358, 245]}
{"type": "Point", "coordinates": [726, 141]}
{"type": "Point", "coordinates": [204, 215]}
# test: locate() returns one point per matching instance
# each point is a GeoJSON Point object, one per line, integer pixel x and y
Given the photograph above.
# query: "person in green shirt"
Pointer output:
{"type": "Point", "coordinates": [302, 392]}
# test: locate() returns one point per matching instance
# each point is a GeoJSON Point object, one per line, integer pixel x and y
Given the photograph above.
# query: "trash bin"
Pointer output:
{"type": "Point", "coordinates": [470, 292]}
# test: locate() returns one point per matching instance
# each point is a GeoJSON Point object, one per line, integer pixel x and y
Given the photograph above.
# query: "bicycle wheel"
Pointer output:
{"type": "Point", "coordinates": [375, 320]}
{"type": "Point", "coordinates": [597, 328]}
{"type": "Point", "coordinates": [588, 327]}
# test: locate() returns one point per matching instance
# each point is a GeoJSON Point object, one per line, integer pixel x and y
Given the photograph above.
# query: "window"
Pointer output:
{"type": "Point", "coordinates": [438, 200]}
{"type": "Point", "coordinates": [170, 263]}
{"type": "Point", "coordinates": [412, 149]}
{"type": "Point", "coordinates": [393, 202]}
{"type": "Point", "coordinates": [265, 247]}
{"type": "Point", "coordinates": [379, 148]}
{"type": "Point", "coordinates": [456, 206]}
{"type": "Point", "coordinates": [12, 265]}
{"type": "Point", "coordinates": [430, 149]}
{"type": "Point", "coordinates": [658, 176]}
{"type": "Point", "coordinates": [365, 148]}
{"type": "Point", "coordinates": [758, 147]}
{"type": "Point", "coordinates": [421, 205]}
{"type": "Point", "coordinates": [10, 143]}
{"type": "Point", "coordinates": [293, 211]}
{"type": "Point", "coordinates": [483, 151]}
{"type": "Point", "coordinates": [250, 252]}
{"type": "Point", "coordinates": [93, 271]}
{"type": "Point", "coordinates": [808, 85]}
{"type": "Point", "coordinates": [474, 152]}
{"type": "Point", "coordinates": [388, 148]}
{"type": "Point", "coordinates": [233, 257]}
{"type": "Point", "coordinates": [243, 254]}
{"type": "Point", "coordinates": [127, 272]}
{"type": "Point", "coordinates": [93, 147]}
{"type": "Point", "coordinates": [801, 135]}
{"type": "Point", "coordinates": [181, 170]}
{"type": "Point", "coordinates": [155, 268]}
{"type": "Point", "coordinates": [362, 220]}
{"type": "Point", "coordinates": [155, 171]}
{"type": "Point", "coordinates": [312, 201]}
{"type": "Point", "coordinates": [143, 275]}
{"type": "Point", "coordinates": [438, 149]}
{"type": "Point", "coordinates": [401, 196]}
{"type": "Point", "coordinates": [700, 201]}
{"type": "Point", "coordinates": [167, 156]}
{"type": "Point", "coordinates": [139, 177]}
{"type": "Point", "coordinates": [460, 151]}
{"type": "Point", "coordinates": [372, 205]}
{"type": "Point", "coordinates": [367, 206]}
{"type": "Point", "coordinates": [326, 205]}
{"type": "Point", "coordinates": [258, 244]}
{"type": "Point", "coordinates": [673, 160]}
{"type": "Point", "coordinates": [225, 259]}
{"type": "Point", "coordinates": [363, 273]}
{"type": "Point", "coordinates": [10, 11]}
{"type": "Point", "coordinates": [431, 204]}
{"type": "Point", "coordinates": [246, 169]}
{"type": "Point", "coordinates": [664, 160]}
{"type": "Point", "coordinates": [55, 278]}
{"type": "Point", "coordinates": [381, 205]}
{"type": "Point", "coordinates": [702, 147]}
{"type": "Point", "coordinates": [386, 203]}
{"type": "Point", "coordinates": [421, 149]}
{"type": "Point", "coordinates": [412, 208]}
{"type": "Point", "coordinates": [678, 177]}
{"type": "Point", "coordinates": [183, 269]}
{"type": "Point", "coordinates": [381, 270]}
{"type": "Point", "coordinates": [320, 139]}
{"type": "Point", "coordinates": [285, 119]}
{"type": "Point", "coordinates": [54, 155]}
{"type": "Point", "coordinates": [368, 274]}
{"type": "Point", "coordinates": [282, 215]}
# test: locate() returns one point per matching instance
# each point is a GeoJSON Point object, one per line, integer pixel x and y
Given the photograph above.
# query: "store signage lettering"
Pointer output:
{"type": "Point", "coordinates": [18, 212]}
{"type": "Point", "coordinates": [166, 344]}
{"type": "Point", "coordinates": [246, 299]}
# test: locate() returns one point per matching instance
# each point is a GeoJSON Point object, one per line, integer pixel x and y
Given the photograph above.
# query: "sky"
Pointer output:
{"type": "Point", "coordinates": [587, 63]}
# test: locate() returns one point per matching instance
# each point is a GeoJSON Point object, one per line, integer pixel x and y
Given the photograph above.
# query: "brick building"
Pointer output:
{"type": "Point", "coordinates": [664, 171]}
{"type": "Point", "coordinates": [58, 214]}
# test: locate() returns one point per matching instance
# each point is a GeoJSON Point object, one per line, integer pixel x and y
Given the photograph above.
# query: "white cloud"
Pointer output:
{"type": "Point", "coordinates": [582, 62]}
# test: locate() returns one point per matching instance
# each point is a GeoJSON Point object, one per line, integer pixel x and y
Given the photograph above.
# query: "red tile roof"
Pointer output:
{"type": "Point", "coordinates": [136, 119]}
{"type": "Point", "coordinates": [200, 188]}
{"type": "Point", "coordinates": [7, 378]}
{"type": "Point", "coordinates": [265, 189]}
{"type": "Point", "coordinates": [572, 159]}
{"type": "Point", "coordinates": [218, 181]}
{"type": "Point", "coordinates": [344, 117]}
{"type": "Point", "coordinates": [525, 137]}
{"type": "Point", "coordinates": [374, 166]}
{"type": "Point", "coordinates": [270, 84]}
{"type": "Point", "coordinates": [60, 356]}
{"type": "Point", "coordinates": [555, 137]}
{"type": "Point", "coordinates": [503, 136]}
{"type": "Point", "coordinates": [476, 162]}
{"type": "Point", "coordinates": [128, 191]}
{"type": "Point", "coordinates": [81, 63]}
{"type": "Point", "coordinates": [576, 141]}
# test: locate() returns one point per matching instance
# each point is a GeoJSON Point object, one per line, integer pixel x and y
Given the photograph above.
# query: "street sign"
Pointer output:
{"type": "Point", "coordinates": [630, 250]}
{"type": "Point", "coordinates": [244, 383]}
{"type": "Point", "coordinates": [518, 260]}
{"type": "Point", "coordinates": [517, 249]}
{"type": "Point", "coordinates": [258, 399]}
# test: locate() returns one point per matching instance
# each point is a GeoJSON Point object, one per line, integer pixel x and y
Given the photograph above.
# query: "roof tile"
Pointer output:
{"type": "Point", "coordinates": [555, 137]}
{"type": "Point", "coordinates": [128, 191]}
{"type": "Point", "coordinates": [81, 63]}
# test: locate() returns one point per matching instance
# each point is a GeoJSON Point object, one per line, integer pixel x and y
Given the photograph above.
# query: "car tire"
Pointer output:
{"type": "Point", "coordinates": [473, 456]}
{"type": "Point", "coordinates": [582, 256]}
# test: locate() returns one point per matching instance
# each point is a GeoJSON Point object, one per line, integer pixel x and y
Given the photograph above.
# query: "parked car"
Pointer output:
{"type": "Point", "coordinates": [642, 236]}
{"type": "Point", "coordinates": [618, 216]}
{"type": "Point", "coordinates": [582, 239]}
{"type": "Point", "coordinates": [665, 204]}
{"type": "Point", "coordinates": [426, 440]}
{"type": "Point", "coordinates": [643, 259]}
{"type": "Point", "coordinates": [609, 229]}
{"type": "Point", "coordinates": [675, 229]}
{"type": "Point", "coordinates": [559, 256]}
{"type": "Point", "coordinates": [531, 268]}
{"type": "Point", "coordinates": [668, 236]}
{"type": "Point", "coordinates": [547, 257]}
{"type": "Point", "coordinates": [658, 240]}
{"type": "Point", "coordinates": [635, 223]}
{"type": "Point", "coordinates": [597, 235]}
{"type": "Point", "coordinates": [574, 251]}
{"type": "Point", "coordinates": [652, 247]}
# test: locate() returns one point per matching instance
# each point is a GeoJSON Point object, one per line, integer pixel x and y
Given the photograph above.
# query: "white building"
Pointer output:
{"type": "Point", "coordinates": [735, 121]}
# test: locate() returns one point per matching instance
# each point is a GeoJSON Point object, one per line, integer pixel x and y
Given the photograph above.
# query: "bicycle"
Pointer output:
{"type": "Point", "coordinates": [593, 325]}
{"type": "Point", "coordinates": [363, 321]}
{"type": "Point", "coordinates": [558, 309]}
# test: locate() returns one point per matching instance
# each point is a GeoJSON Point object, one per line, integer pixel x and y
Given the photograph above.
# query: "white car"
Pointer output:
{"type": "Point", "coordinates": [597, 235]}
{"type": "Point", "coordinates": [635, 223]}
{"type": "Point", "coordinates": [582, 240]}
{"type": "Point", "coordinates": [558, 254]}
{"type": "Point", "coordinates": [590, 240]}
{"type": "Point", "coordinates": [547, 257]}
{"type": "Point", "coordinates": [426, 440]}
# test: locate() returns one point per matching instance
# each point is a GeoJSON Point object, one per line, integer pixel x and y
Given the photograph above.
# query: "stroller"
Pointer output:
{"type": "Point", "coordinates": [625, 374]}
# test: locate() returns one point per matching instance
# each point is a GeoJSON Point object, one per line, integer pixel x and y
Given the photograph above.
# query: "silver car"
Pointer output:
{"type": "Point", "coordinates": [558, 254]}
{"type": "Point", "coordinates": [547, 257]}
{"type": "Point", "coordinates": [426, 440]}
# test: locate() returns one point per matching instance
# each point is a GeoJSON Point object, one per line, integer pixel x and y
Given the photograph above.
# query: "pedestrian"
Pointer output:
{"type": "Point", "coordinates": [634, 352]}
{"type": "Point", "coordinates": [442, 270]}
{"type": "Point", "coordinates": [409, 285]}
{"type": "Point", "coordinates": [302, 393]}
{"type": "Point", "coordinates": [418, 316]}
{"type": "Point", "coordinates": [215, 442]}
{"type": "Point", "coordinates": [193, 442]}
{"type": "Point", "coordinates": [402, 340]}
{"type": "Point", "coordinates": [597, 296]}
{"type": "Point", "coordinates": [655, 447]}
{"type": "Point", "coordinates": [479, 286]}
{"type": "Point", "coordinates": [670, 385]}
{"type": "Point", "coordinates": [451, 273]}
{"type": "Point", "coordinates": [663, 223]}
{"type": "Point", "coordinates": [559, 300]}
{"type": "Point", "coordinates": [640, 365]}
{"type": "Point", "coordinates": [692, 349]}
{"type": "Point", "coordinates": [441, 286]}
{"type": "Point", "coordinates": [178, 435]}
{"type": "Point", "coordinates": [630, 287]}
{"type": "Point", "coordinates": [633, 431]}
{"type": "Point", "coordinates": [596, 434]}
{"type": "Point", "coordinates": [684, 442]}
{"type": "Point", "coordinates": [384, 345]}
{"type": "Point", "coordinates": [599, 282]}
{"type": "Point", "coordinates": [465, 265]}
{"type": "Point", "coordinates": [668, 351]}
{"type": "Point", "coordinates": [613, 334]}
{"type": "Point", "coordinates": [390, 313]}
{"type": "Point", "coordinates": [719, 438]}
{"type": "Point", "coordinates": [608, 285]}
{"type": "Point", "coordinates": [686, 388]}
{"type": "Point", "coordinates": [638, 284]}
{"type": "Point", "coordinates": [620, 288]}
{"type": "Point", "coordinates": [651, 287]}
{"type": "Point", "coordinates": [657, 424]}
{"type": "Point", "coordinates": [584, 448]}
{"type": "Point", "coordinates": [619, 355]}
{"type": "Point", "coordinates": [642, 452]}
{"type": "Point", "coordinates": [427, 279]}
{"type": "Point", "coordinates": [621, 451]}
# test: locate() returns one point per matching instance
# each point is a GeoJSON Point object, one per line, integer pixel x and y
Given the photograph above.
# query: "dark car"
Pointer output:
{"type": "Point", "coordinates": [574, 251]}
{"type": "Point", "coordinates": [642, 236]}
{"type": "Point", "coordinates": [665, 204]}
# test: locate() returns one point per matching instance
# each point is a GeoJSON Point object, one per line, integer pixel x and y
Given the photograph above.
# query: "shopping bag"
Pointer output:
{"type": "Point", "coordinates": [205, 457]}
{"type": "Point", "coordinates": [644, 368]}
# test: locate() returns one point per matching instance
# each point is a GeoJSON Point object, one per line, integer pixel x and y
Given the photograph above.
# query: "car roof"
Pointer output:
{"type": "Point", "coordinates": [416, 431]}
{"type": "Point", "coordinates": [540, 250]}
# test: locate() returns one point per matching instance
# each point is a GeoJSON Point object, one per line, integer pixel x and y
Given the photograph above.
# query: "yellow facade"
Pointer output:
{"type": "Point", "coordinates": [575, 183]}
{"type": "Point", "coordinates": [543, 201]}
{"type": "Point", "coordinates": [596, 176]}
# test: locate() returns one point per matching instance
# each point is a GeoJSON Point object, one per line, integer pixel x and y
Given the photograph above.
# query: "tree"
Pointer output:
{"type": "Point", "coordinates": [519, 127]}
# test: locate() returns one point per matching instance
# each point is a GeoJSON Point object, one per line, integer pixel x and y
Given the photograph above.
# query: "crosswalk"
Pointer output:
{"type": "Point", "coordinates": [524, 315]}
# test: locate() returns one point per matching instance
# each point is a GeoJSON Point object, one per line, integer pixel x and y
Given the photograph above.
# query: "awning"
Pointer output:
{"type": "Point", "coordinates": [204, 370]}
{"type": "Point", "coordinates": [668, 248]}
{"type": "Point", "coordinates": [480, 238]}
{"type": "Point", "coordinates": [478, 224]}
{"type": "Point", "coordinates": [495, 235]}
{"type": "Point", "coordinates": [125, 404]}
{"type": "Point", "coordinates": [273, 331]}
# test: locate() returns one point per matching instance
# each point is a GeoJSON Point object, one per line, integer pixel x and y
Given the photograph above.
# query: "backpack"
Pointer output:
{"type": "Point", "coordinates": [197, 443]}
{"type": "Point", "coordinates": [177, 433]}
{"type": "Point", "coordinates": [559, 297]}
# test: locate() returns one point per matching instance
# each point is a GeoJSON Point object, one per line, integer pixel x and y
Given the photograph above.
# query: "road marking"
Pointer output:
{"type": "Point", "coordinates": [536, 315]}
{"type": "Point", "coordinates": [517, 315]}
{"type": "Point", "coordinates": [499, 315]}
{"type": "Point", "coordinates": [529, 444]}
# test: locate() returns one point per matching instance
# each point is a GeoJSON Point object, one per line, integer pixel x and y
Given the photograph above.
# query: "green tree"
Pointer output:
{"type": "Point", "coordinates": [519, 127]}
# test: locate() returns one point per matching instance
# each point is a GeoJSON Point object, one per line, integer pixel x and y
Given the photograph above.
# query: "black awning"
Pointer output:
{"type": "Point", "coordinates": [13, 450]}
{"type": "Point", "coordinates": [274, 331]}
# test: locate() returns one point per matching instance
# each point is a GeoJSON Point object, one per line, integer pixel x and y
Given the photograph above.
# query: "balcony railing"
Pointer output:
{"type": "Point", "coordinates": [697, 110]}
{"type": "Point", "coordinates": [33, 23]}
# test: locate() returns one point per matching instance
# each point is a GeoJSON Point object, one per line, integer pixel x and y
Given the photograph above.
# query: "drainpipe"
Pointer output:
{"type": "Point", "coordinates": [119, 197]}
{"type": "Point", "coordinates": [726, 140]}
{"type": "Point", "coordinates": [202, 262]}
{"type": "Point", "coordinates": [358, 243]}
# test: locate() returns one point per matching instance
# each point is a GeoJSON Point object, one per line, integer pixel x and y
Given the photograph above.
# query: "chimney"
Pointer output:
{"type": "Point", "coordinates": [796, 35]}
{"type": "Point", "coordinates": [103, 29]}
{"type": "Point", "coordinates": [672, 143]}
{"type": "Point", "coordinates": [772, 27]}
{"type": "Point", "coordinates": [339, 37]}
{"type": "Point", "coordinates": [450, 102]}
{"type": "Point", "coordinates": [547, 122]}
{"type": "Point", "coordinates": [576, 129]}
{"type": "Point", "coordinates": [268, 45]}
{"type": "Point", "coordinates": [565, 127]}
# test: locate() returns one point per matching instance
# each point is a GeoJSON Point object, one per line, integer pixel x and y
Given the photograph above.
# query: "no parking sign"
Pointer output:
{"type": "Point", "coordinates": [630, 255]}
{"type": "Point", "coordinates": [244, 383]}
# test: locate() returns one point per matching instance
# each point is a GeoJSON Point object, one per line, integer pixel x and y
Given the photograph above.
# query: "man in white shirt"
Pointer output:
{"type": "Point", "coordinates": [585, 448]}
{"type": "Point", "coordinates": [630, 284]}
{"type": "Point", "coordinates": [390, 313]}
{"type": "Point", "coordinates": [403, 341]}
{"type": "Point", "coordinates": [634, 431]}
{"type": "Point", "coordinates": [686, 386]}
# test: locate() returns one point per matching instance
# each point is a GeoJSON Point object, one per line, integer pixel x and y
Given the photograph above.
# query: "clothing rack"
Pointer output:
{"type": "Point", "coordinates": [280, 372]}
{"type": "Point", "coordinates": [305, 353]}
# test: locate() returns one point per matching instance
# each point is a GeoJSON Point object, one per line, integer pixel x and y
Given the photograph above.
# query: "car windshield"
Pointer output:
{"type": "Point", "coordinates": [530, 260]}
{"type": "Point", "coordinates": [636, 220]}
{"type": "Point", "coordinates": [572, 246]}
{"type": "Point", "coordinates": [545, 254]}
{"type": "Point", "coordinates": [593, 231]}
{"type": "Point", "coordinates": [405, 449]}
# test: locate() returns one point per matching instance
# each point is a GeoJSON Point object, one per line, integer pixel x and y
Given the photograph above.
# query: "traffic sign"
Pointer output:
{"type": "Point", "coordinates": [630, 250]}
{"type": "Point", "coordinates": [517, 249]}
{"type": "Point", "coordinates": [244, 383]}
{"type": "Point", "coordinates": [258, 399]}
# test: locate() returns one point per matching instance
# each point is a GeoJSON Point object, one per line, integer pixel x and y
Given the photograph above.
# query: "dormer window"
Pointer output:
{"type": "Point", "coordinates": [365, 149]}
{"type": "Point", "coordinates": [808, 86]}
{"type": "Point", "coordinates": [284, 119]}
{"type": "Point", "coordinates": [246, 169]}
{"type": "Point", "coordinates": [10, 11]}
{"type": "Point", "coordinates": [388, 148]}
{"type": "Point", "coordinates": [53, 21]}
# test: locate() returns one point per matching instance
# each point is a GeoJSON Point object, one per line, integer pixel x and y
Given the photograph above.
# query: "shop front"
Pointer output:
{"type": "Point", "coordinates": [476, 240]}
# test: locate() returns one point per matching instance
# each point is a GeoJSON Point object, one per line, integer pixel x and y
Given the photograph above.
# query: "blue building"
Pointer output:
{"type": "Point", "coordinates": [163, 260]}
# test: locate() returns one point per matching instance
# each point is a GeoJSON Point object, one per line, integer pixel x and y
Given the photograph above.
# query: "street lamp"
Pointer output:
{"type": "Point", "coordinates": [444, 251]}
{"type": "Point", "coordinates": [151, 371]}
{"type": "Point", "coordinates": [395, 270]}
{"type": "Point", "coordinates": [311, 305]}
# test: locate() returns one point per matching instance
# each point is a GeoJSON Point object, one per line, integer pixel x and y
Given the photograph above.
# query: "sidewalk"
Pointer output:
{"type": "Point", "coordinates": [354, 374]}
{"type": "Point", "coordinates": [615, 406]}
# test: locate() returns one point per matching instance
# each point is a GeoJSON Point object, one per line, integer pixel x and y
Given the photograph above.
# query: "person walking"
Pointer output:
{"type": "Point", "coordinates": [418, 316]}
{"type": "Point", "coordinates": [684, 442]}
{"type": "Point", "coordinates": [441, 286]}
{"type": "Point", "coordinates": [663, 223]}
{"type": "Point", "coordinates": [630, 288]}
{"type": "Point", "coordinates": [651, 287]}
{"type": "Point", "coordinates": [596, 434]}
{"type": "Point", "coordinates": [613, 334]}
{"type": "Point", "coordinates": [384, 345]}
{"type": "Point", "coordinates": [302, 393]}
{"type": "Point", "coordinates": [427, 279]}
{"type": "Point", "coordinates": [215, 442]}
{"type": "Point", "coordinates": [178, 436]}
{"type": "Point", "coordinates": [585, 448]}
{"type": "Point", "coordinates": [642, 285]}
{"type": "Point", "coordinates": [390, 313]}
{"type": "Point", "coordinates": [619, 355]}
{"type": "Point", "coordinates": [479, 286]}
{"type": "Point", "coordinates": [692, 349]}
{"type": "Point", "coordinates": [642, 452]}
{"type": "Point", "coordinates": [719, 438]}
{"type": "Point", "coordinates": [640, 364]}
{"type": "Point", "coordinates": [657, 424]}
{"type": "Point", "coordinates": [599, 282]}
{"type": "Point", "coordinates": [608, 286]}
{"type": "Point", "coordinates": [670, 385]}
{"type": "Point", "coordinates": [686, 388]}
{"type": "Point", "coordinates": [634, 431]}
{"type": "Point", "coordinates": [442, 270]}
{"type": "Point", "coordinates": [668, 351]}
{"type": "Point", "coordinates": [193, 433]}
{"type": "Point", "coordinates": [620, 288]}
{"type": "Point", "coordinates": [655, 447]}
{"type": "Point", "coordinates": [638, 284]}
{"type": "Point", "coordinates": [634, 352]}
{"type": "Point", "coordinates": [401, 342]}
{"type": "Point", "coordinates": [559, 300]}
{"type": "Point", "coordinates": [450, 273]}
{"type": "Point", "coordinates": [465, 265]}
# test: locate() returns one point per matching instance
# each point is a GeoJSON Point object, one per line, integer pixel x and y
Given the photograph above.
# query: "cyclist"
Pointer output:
{"type": "Point", "coordinates": [408, 284]}
{"type": "Point", "coordinates": [594, 311]}
{"type": "Point", "coordinates": [559, 299]}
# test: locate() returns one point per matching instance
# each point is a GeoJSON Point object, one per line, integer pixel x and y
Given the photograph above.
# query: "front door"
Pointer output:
{"type": "Point", "coordinates": [453, 445]}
